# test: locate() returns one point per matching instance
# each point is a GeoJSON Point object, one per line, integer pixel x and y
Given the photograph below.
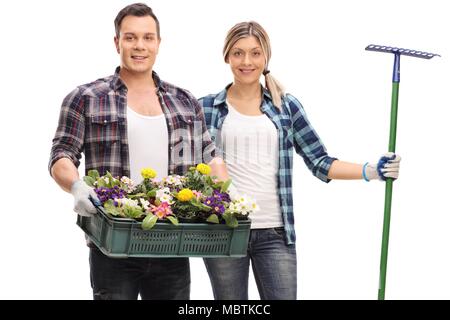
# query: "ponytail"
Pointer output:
{"type": "Point", "coordinates": [275, 88]}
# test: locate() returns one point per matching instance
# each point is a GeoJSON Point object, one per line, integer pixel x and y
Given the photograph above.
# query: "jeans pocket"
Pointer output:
{"type": "Point", "coordinates": [277, 233]}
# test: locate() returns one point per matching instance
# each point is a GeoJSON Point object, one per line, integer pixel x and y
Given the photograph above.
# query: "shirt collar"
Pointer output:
{"type": "Point", "coordinates": [222, 96]}
{"type": "Point", "coordinates": [118, 84]}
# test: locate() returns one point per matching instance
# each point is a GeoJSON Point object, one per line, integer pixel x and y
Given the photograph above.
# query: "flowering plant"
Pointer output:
{"type": "Point", "coordinates": [194, 197]}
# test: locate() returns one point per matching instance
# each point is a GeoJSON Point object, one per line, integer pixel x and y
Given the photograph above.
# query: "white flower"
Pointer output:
{"type": "Point", "coordinates": [254, 206]}
{"type": "Point", "coordinates": [166, 198]}
{"type": "Point", "coordinates": [243, 205]}
{"type": "Point", "coordinates": [175, 180]}
{"type": "Point", "coordinates": [128, 202]}
{"type": "Point", "coordinates": [161, 192]}
{"type": "Point", "coordinates": [164, 195]}
{"type": "Point", "coordinates": [145, 204]}
{"type": "Point", "coordinates": [171, 180]}
{"type": "Point", "coordinates": [129, 183]}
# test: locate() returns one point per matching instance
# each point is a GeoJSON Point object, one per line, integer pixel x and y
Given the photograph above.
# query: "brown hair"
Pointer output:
{"type": "Point", "coordinates": [248, 29]}
{"type": "Point", "coordinates": [137, 10]}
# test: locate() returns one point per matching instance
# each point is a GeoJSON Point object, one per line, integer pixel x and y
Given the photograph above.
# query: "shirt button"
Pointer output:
{"type": "Point", "coordinates": [105, 121]}
{"type": "Point", "coordinates": [171, 148]}
{"type": "Point", "coordinates": [189, 121]}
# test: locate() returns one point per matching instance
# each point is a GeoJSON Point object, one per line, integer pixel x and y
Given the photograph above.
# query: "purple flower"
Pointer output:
{"type": "Point", "coordinates": [221, 196]}
{"type": "Point", "coordinates": [104, 193]}
{"type": "Point", "coordinates": [219, 208]}
{"type": "Point", "coordinates": [216, 203]}
{"type": "Point", "coordinates": [210, 201]}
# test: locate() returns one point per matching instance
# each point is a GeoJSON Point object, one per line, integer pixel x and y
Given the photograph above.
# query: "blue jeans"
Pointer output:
{"type": "Point", "coordinates": [274, 266]}
{"type": "Point", "coordinates": [152, 278]}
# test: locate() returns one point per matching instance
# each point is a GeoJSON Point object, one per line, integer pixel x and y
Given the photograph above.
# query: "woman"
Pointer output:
{"type": "Point", "coordinates": [257, 129]}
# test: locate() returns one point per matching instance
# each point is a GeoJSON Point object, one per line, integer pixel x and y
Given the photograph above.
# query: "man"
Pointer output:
{"type": "Point", "coordinates": [123, 123]}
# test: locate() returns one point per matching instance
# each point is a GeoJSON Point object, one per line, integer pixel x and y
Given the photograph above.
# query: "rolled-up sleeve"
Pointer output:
{"type": "Point", "coordinates": [307, 142]}
{"type": "Point", "coordinates": [69, 137]}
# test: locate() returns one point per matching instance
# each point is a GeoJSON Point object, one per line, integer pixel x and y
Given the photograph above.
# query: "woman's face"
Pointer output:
{"type": "Point", "coordinates": [246, 60]}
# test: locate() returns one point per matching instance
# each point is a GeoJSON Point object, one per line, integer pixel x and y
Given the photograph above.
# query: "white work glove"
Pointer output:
{"type": "Point", "coordinates": [387, 167]}
{"type": "Point", "coordinates": [82, 195]}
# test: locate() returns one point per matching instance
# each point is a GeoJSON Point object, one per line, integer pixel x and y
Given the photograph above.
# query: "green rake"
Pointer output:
{"type": "Point", "coordinates": [392, 137]}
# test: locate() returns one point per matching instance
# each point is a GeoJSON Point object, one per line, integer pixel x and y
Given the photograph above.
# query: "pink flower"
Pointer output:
{"type": "Point", "coordinates": [197, 194]}
{"type": "Point", "coordinates": [161, 211]}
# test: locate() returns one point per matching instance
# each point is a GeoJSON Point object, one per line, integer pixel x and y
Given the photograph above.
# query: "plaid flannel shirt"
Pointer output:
{"type": "Point", "coordinates": [93, 120]}
{"type": "Point", "coordinates": [294, 132]}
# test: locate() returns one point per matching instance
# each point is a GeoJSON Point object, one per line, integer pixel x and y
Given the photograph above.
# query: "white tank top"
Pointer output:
{"type": "Point", "coordinates": [148, 141]}
{"type": "Point", "coordinates": [250, 145]}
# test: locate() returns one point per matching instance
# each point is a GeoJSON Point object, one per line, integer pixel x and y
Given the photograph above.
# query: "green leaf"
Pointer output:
{"type": "Point", "coordinates": [101, 183]}
{"type": "Point", "coordinates": [151, 193]}
{"type": "Point", "coordinates": [194, 202]}
{"type": "Point", "coordinates": [205, 208]}
{"type": "Point", "coordinates": [173, 219]}
{"type": "Point", "coordinates": [135, 213]}
{"type": "Point", "coordinates": [227, 215]}
{"type": "Point", "coordinates": [109, 203]}
{"type": "Point", "coordinates": [208, 191]}
{"type": "Point", "coordinates": [149, 221]}
{"type": "Point", "coordinates": [230, 220]}
{"type": "Point", "coordinates": [225, 185]}
{"type": "Point", "coordinates": [93, 174]}
{"type": "Point", "coordinates": [136, 196]}
{"type": "Point", "coordinates": [213, 218]}
{"type": "Point", "coordinates": [110, 179]}
{"type": "Point", "coordinates": [111, 208]}
{"type": "Point", "coordinates": [115, 182]}
{"type": "Point", "coordinates": [208, 180]}
{"type": "Point", "coordinates": [89, 181]}
{"type": "Point", "coordinates": [196, 175]}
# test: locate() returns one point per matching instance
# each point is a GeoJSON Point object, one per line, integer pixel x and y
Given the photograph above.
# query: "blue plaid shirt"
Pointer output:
{"type": "Point", "coordinates": [294, 131]}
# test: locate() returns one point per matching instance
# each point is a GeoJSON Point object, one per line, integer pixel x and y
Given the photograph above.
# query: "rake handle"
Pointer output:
{"type": "Point", "coordinates": [389, 181]}
{"type": "Point", "coordinates": [392, 137]}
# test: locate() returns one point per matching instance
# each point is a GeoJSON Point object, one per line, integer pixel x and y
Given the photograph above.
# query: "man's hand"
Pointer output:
{"type": "Point", "coordinates": [82, 195]}
{"type": "Point", "coordinates": [388, 166]}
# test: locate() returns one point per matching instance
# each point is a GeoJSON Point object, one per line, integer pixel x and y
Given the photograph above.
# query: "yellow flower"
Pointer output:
{"type": "Point", "coordinates": [148, 173]}
{"type": "Point", "coordinates": [203, 168]}
{"type": "Point", "coordinates": [185, 195]}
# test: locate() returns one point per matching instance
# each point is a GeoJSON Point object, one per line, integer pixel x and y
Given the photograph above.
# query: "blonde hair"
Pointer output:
{"type": "Point", "coordinates": [248, 29]}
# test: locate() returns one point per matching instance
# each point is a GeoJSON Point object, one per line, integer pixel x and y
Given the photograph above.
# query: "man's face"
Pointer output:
{"type": "Point", "coordinates": [138, 44]}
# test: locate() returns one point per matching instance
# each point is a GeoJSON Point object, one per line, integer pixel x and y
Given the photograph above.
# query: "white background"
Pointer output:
{"type": "Point", "coordinates": [49, 47]}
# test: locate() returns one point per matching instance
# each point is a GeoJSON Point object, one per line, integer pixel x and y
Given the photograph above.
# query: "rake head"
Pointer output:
{"type": "Point", "coordinates": [401, 51]}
